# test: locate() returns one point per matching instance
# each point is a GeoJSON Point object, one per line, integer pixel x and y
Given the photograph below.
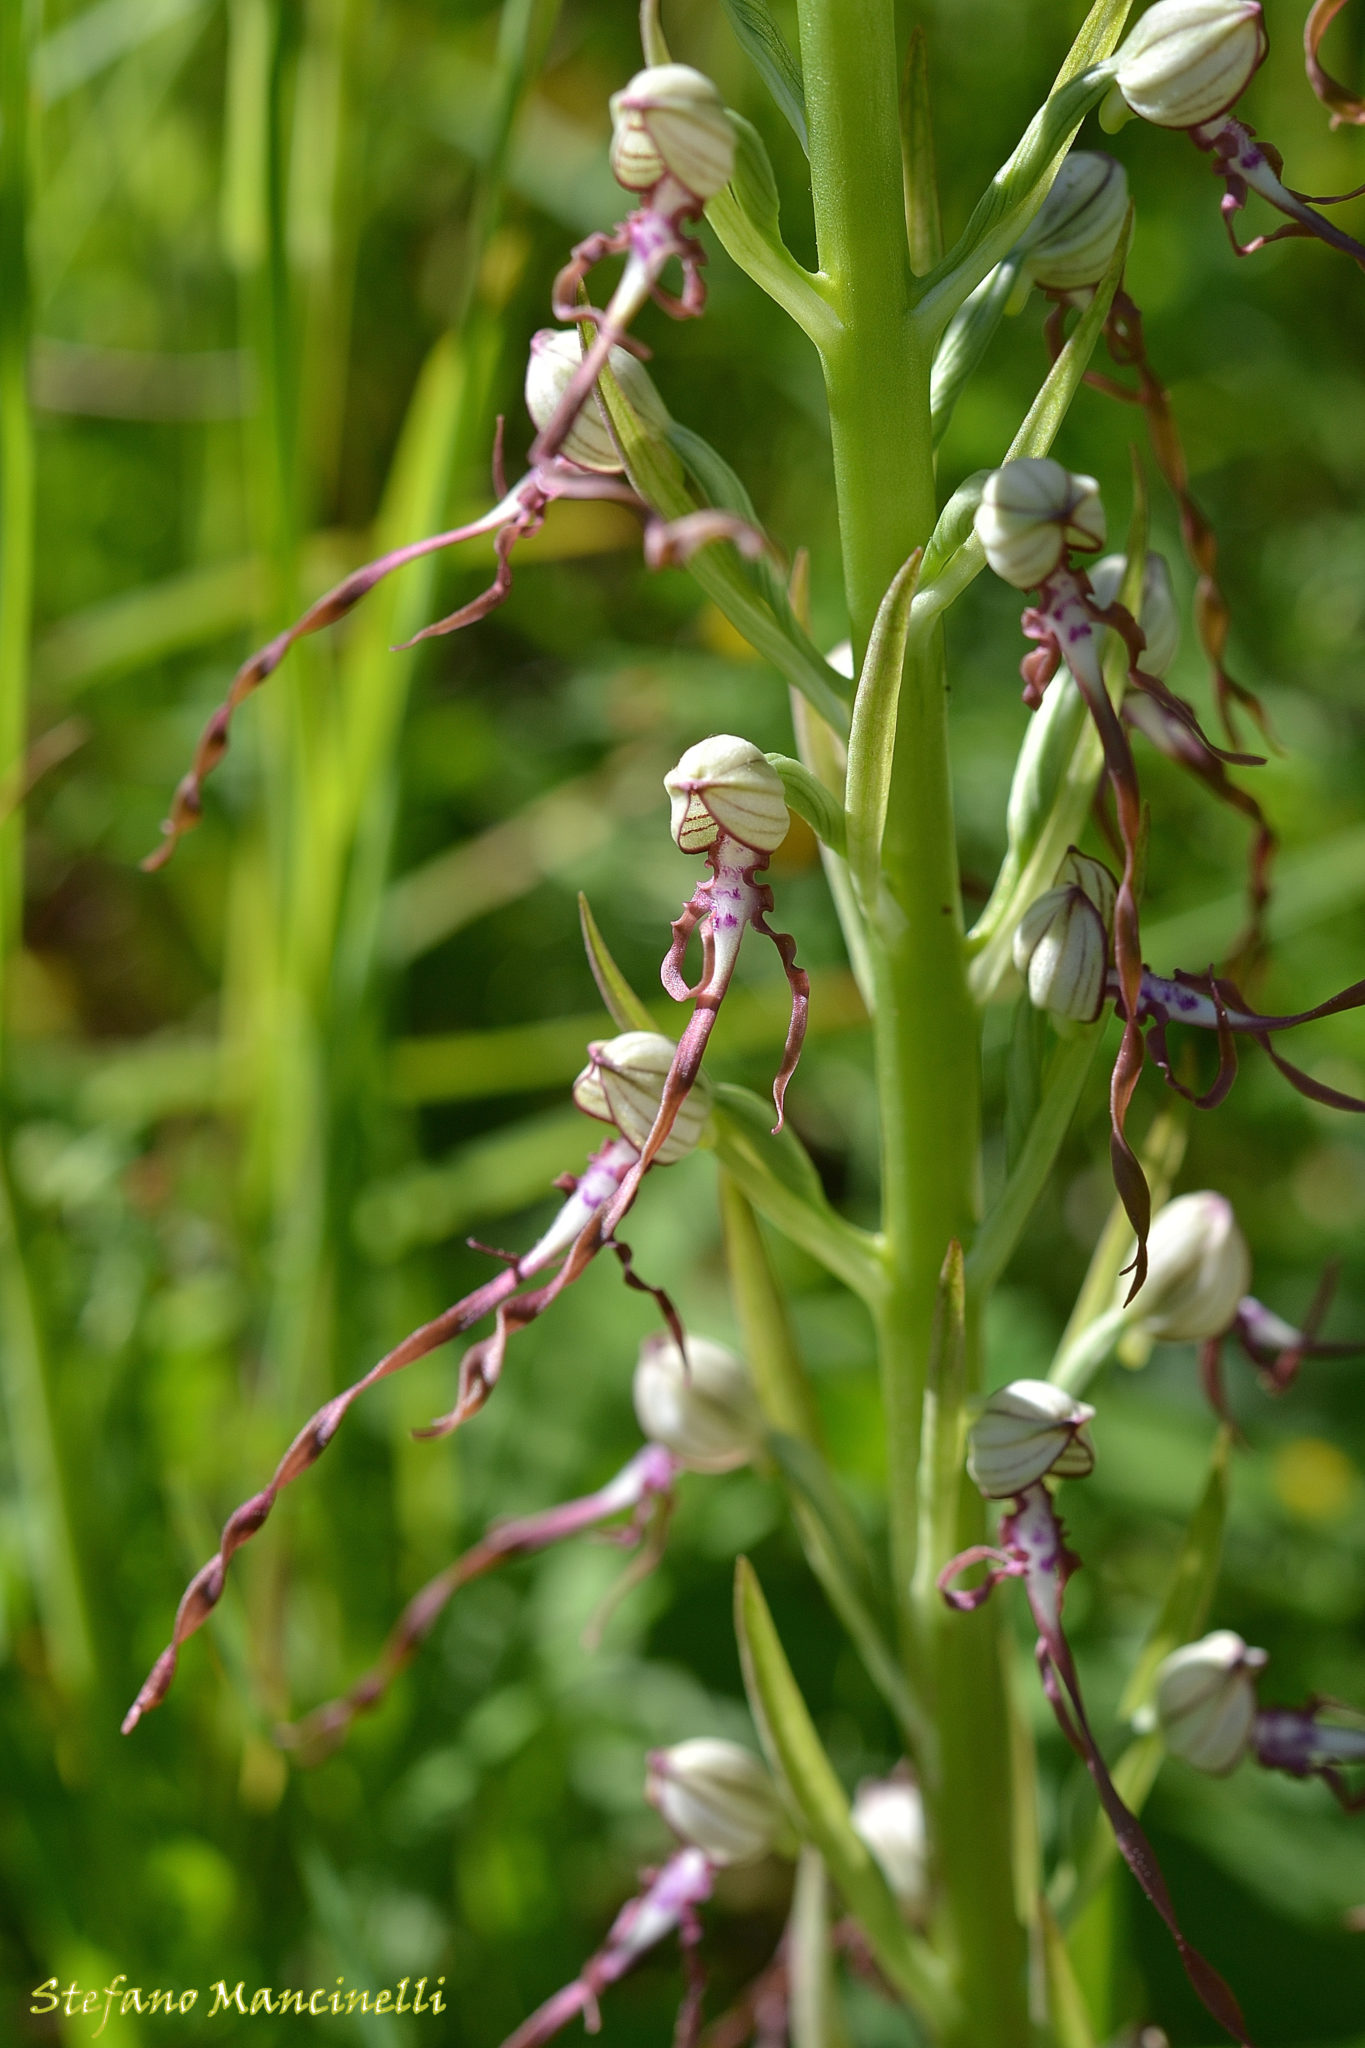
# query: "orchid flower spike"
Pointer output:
{"type": "Point", "coordinates": [1029, 1433]}
{"type": "Point", "coordinates": [1185, 65]}
{"type": "Point", "coordinates": [628, 1067]}
{"type": "Point", "coordinates": [1032, 513]}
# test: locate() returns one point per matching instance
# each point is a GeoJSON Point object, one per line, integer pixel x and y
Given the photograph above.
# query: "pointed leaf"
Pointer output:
{"type": "Point", "coordinates": [944, 1429]}
{"type": "Point", "coordinates": [767, 49]}
{"type": "Point", "coordinates": [1022, 183]}
{"type": "Point", "coordinates": [820, 1806]}
{"type": "Point", "coordinates": [626, 1010]}
{"type": "Point", "coordinates": [745, 216]}
{"type": "Point", "coordinates": [811, 800]}
{"type": "Point", "coordinates": [776, 1175]}
{"type": "Point", "coordinates": [923, 221]}
{"type": "Point", "coordinates": [1189, 1593]}
{"type": "Point", "coordinates": [816, 2018]}
{"type": "Point", "coordinates": [872, 734]}
{"type": "Point", "coordinates": [656, 472]}
{"type": "Point", "coordinates": [784, 1390]}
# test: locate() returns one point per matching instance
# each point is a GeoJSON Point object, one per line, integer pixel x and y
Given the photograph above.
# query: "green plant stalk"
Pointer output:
{"type": "Point", "coordinates": [35, 1442]}
{"type": "Point", "coordinates": [18, 33]}
{"type": "Point", "coordinates": [877, 385]}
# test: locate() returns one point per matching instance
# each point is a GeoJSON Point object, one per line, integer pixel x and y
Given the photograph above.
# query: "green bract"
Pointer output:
{"type": "Point", "coordinates": [1158, 615]}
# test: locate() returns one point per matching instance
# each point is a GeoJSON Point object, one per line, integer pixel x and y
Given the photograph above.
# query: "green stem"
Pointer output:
{"type": "Point", "coordinates": [877, 385]}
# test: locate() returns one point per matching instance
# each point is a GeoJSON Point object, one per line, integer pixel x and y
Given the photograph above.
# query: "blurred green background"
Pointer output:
{"type": "Point", "coordinates": [286, 257]}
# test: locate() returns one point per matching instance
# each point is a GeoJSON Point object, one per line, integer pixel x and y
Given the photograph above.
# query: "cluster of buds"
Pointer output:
{"type": "Point", "coordinates": [1029, 1435]}
{"type": "Point", "coordinates": [1185, 64]}
{"type": "Point", "coordinates": [622, 1085]}
{"type": "Point", "coordinates": [1207, 1709]}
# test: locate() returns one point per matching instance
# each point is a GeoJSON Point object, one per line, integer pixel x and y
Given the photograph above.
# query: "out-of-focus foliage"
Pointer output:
{"type": "Point", "coordinates": [256, 1102]}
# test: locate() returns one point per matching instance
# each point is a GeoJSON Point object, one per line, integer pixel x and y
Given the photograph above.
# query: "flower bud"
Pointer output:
{"type": "Point", "coordinates": [1074, 233]}
{"type": "Point", "coordinates": [1158, 613]}
{"type": "Point", "coordinates": [671, 122]}
{"type": "Point", "coordinates": [702, 1408]}
{"type": "Point", "coordinates": [555, 356]}
{"type": "Point", "coordinates": [1187, 61]}
{"type": "Point", "coordinates": [717, 1796]}
{"type": "Point", "coordinates": [623, 1084]}
{"type": "Point", "coordinates": [1061, 943]}
{"type": "Point", "coordinates": [725, 785]}
{"type": "Point", "coordinates": [1206, 1700]}
{"type": "Point", "coordinates": [1198, 1269]}
{"type": "Point", "coordinates": [1025, 1431]}
{"type": "Point", "coordinates": [1031, 512]}
{"type": "Point", "coordinates": [888, 1813]}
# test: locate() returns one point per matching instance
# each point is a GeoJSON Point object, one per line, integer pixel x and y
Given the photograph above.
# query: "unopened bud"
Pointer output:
{"type": "Point", "coordinates": [1158, 613]}
{"type": "Point", "coordinates": [1061, 943]}
{"type": "Point", "coordinates": [1031, 512]}
{"type": "Point", "coordinates": [671, 122]}
{"type": "Point", "coordinates": [1075, 231]}
{"type": "Point", "coordinates": [1187, 61]}
{"type": "Point", "coordinates": [1198, 1269]}
{"type": "Point", "coordinates": [623, 1084]}
{"type": "Point", "coordinates": [717, 1796]}
{"type": "Point", "coordinates": [888, 1813]}
{"type": "Point", "coordinates": [702, 1408]}
{"type": "Point", "coordinates": [725, 785]}
{"type": "Point", "coordinates": [1206, 1701]}
{"type": "Point", "coordinates": [554, 359]}
{"type": "Point", "coordinates": [1026, 1431]}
